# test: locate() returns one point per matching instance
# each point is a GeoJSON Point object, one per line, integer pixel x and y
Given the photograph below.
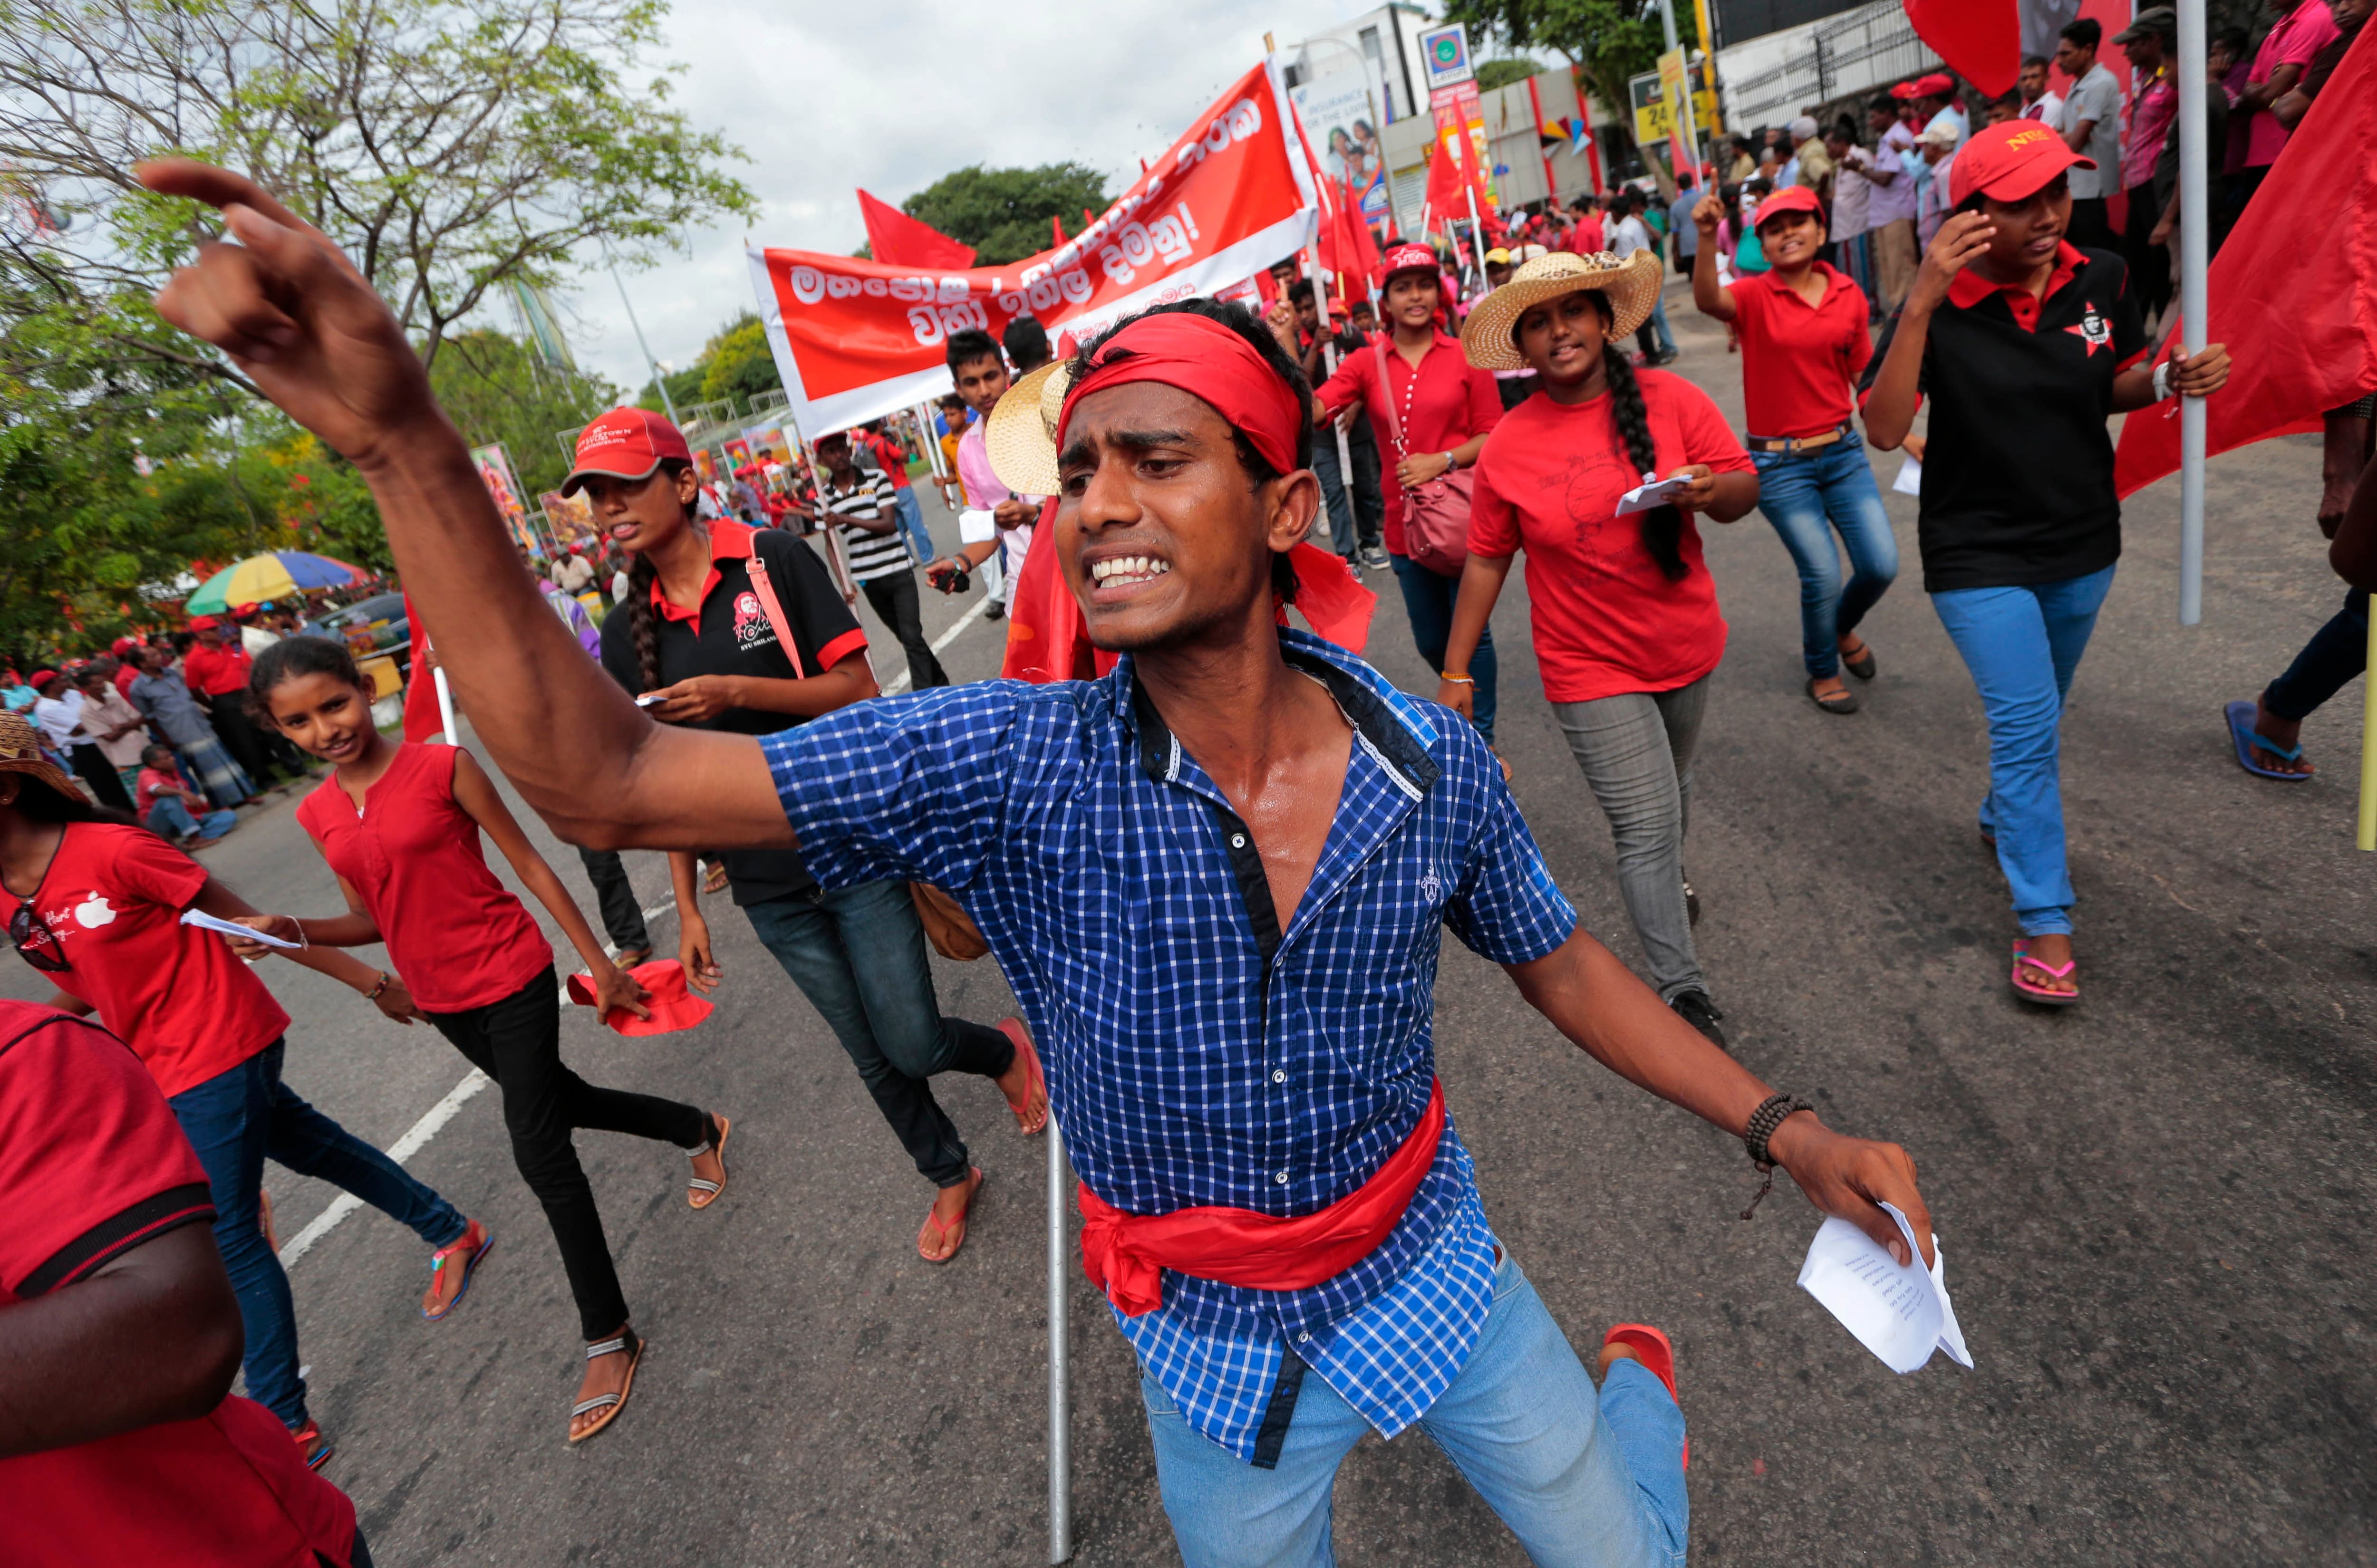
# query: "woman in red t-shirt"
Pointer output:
{"type": "Point", "coordinates": [1430, 410]}
{"type": "Point", "coordinates": [400, 824]}
{"type": "Point", "coordinates": [1804, 344]}
{"type": "Point", "coordinates": [1626, 624]}
{"type": "Point", "coordinates": [97, 906]}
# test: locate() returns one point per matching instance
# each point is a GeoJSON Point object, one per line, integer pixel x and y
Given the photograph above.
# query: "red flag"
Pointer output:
{"type": "Point", "coordinates": [897, 240]}
{"type": "Point", "coordinates": [2294, 293]}
{"type": "Point", "coordinates": [1447, 182]}
{"type": "Point", "coordinates": [1981, 39]}
{"type": "Point", "coordinates": [422, 718]}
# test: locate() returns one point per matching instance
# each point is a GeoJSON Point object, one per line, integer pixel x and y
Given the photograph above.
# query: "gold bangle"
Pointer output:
{"type": "Point", "coordinates": [1456, 680]}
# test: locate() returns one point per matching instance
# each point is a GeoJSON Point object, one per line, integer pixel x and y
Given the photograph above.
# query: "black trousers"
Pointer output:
{"type": "Point", "coordinates": [623, 917]}
{"type": "Point", "coordinates": [517, 1041]}
{"type": "Point", "coordinates": [2149, 264]}
{"type": "Point", "coordinates": [2090, 229]}
{"type": "Point", "coordinates": [238, 733]}
{"type": "Point", "coordinates": [894, 598]}
{"type": "Point", "coordinates": [100, 774]}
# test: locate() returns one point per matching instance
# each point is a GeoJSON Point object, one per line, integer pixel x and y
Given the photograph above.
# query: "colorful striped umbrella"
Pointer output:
{"type": "Point", "coordinates": [277, 574]}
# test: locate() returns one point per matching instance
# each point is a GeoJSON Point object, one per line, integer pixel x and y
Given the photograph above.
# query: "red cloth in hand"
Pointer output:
{"type": "Point", "coordinates": [672, 1006]}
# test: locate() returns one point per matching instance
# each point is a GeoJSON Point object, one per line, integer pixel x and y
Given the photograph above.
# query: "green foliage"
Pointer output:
{"type": "Point", "coordinates": [1493, 73]}
{"type": "Point", "coordinates": [495, 389]}
{"type": "Point", "coordinates": [1606, 41]}
{"type": "Point", "coordinates": [1004, 213]}
{"type": "Point", "coordinates": [737, 362]}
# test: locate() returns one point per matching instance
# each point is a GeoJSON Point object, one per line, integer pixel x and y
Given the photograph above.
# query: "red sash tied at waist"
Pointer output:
{"type": "Point", "coordinates": [1125, 1254]}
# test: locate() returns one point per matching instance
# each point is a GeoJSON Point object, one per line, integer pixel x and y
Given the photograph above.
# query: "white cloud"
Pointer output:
{"type": "Point", "coordinates": [893, 97]}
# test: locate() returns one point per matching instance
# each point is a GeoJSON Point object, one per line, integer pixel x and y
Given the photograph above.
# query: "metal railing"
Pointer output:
{"type": "Point", "coordinates": [1851, 53]}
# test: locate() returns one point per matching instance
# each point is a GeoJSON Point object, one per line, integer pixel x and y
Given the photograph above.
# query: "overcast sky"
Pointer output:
{"type": "Point", "coordinates": [838, 93]}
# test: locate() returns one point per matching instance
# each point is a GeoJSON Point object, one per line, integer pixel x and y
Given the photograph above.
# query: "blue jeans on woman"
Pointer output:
{"type": "Point", "coordinates": [858, 954]}
{"type": "Point", "coordinates": [912, 522]}
{"type": "Point", "coordinates": [169, 818]}
{"type": "Point", "coordinates": [1428, 597]}
{"type": "Point", "coordinates": [233, 1121]}
{"type": "Point", "coordinates": [1807, 495]}
{"type": "Point", "coordinates": [1582, 1477]}
{"type": "Point", "coordinates": [2021, 645]}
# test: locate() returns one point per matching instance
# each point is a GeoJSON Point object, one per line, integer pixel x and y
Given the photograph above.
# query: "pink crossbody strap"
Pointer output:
{"type": "Point", "coordinates": [766, 589]}
{"type": "Point", "coordinates": [1394, 425]}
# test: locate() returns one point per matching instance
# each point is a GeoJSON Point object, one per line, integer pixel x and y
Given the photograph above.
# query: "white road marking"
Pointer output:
{"type": "Point", "coordinates": [416, 1137]}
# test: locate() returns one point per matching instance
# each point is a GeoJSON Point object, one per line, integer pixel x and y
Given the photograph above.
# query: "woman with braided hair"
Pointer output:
{"type": "Point", "coordinates": [739, 629]}
{"type": "Point", "coordinates": [1625, 615]}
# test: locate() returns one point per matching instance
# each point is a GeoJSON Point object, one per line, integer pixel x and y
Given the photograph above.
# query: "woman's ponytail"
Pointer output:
{"type": "Point", "coordinates": [1662, 527]}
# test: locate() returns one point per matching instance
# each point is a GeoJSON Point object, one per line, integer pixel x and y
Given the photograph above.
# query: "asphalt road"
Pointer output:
{"type": "Point", "coordinates": [2155, 1207]}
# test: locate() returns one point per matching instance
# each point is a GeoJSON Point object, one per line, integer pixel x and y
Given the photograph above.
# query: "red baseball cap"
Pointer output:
{"type": "Point", "coordinates": [1410, 259]}
{"type": "Point", "coordinates": [672, 1006]}
{"type": "Point", "coordinates": [1790, 198]}
{"type": "Point", "coordinates": [2009, 161]}
{"type": "Point", "coordinates": [121, 646]}
{"type": "Point", "coordinates": [41, 678]}
{"type": "Point", "coordinates": [1906, 90]}
{"type": "Point", "coordinates": [1936, 85]}
{"type": "Point", "coordinates": [204, 623]}
{"type": "Point", "coordinates": [625, 444]}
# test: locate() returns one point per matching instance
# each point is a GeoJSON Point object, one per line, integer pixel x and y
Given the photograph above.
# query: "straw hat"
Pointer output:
{"type": "Point", "coordinates": [1020, 436]}
{"type": "Point", "coordinates": [1631, 286]}
{"type": "Point", "coordinates": [20, 752]}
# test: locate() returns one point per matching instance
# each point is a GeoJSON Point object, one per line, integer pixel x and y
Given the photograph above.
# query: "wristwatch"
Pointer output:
{"type": "Point", "coordinates": [1451, 462]}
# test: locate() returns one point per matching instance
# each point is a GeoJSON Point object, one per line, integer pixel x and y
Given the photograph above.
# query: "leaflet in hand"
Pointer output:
{"type": "Point", "coordinates": [977, 526]}
{"type": "Point", "coordinates": [1910, 477]}
{"type": "Point", "coordinates": [1898, 1312]}
{"type": "Point", "coordinates": [206, 922]}
{"type": "Point", "coordinates": [1651, 493]}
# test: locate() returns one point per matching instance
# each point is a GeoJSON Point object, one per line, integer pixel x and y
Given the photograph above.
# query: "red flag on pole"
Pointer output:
{"type": "Point", "coordinates": [897, 240]}
{"type": "Point", "coordinates": [1448, 181]}
{"type": "Point", "coordinates": [2294, 292]}
{"type": "Point", "coordinates": [1981, 39]}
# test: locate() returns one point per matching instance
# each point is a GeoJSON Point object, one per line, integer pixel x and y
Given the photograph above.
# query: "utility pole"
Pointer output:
{"type": "Point", "coordinates": [658, 379]}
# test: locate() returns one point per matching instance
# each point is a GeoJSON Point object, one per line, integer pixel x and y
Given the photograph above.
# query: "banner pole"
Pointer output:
{"type": "Point", "coordinates": [1061, 1426]}
{"type": "Point", "coordinates": [2194, 302]}
{"type": "Point", "coordinates": [446, 705]}
{"type": "Point", "coordinates": [1329, 360]}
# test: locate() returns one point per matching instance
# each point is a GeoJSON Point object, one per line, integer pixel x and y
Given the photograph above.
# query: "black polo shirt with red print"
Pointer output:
{"type": "Point", "coordinates": [2018, 468]}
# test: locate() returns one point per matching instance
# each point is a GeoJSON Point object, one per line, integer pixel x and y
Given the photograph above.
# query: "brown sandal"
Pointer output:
{"type": "Point", "coordinates": [633, 1343]}
{"type": "Point", "coordinates": [933, 1227]}
{"type": "Point", "coordinates": [699, 1192]}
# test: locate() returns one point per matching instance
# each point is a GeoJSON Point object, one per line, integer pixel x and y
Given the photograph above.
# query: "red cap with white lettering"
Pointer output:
{"type": "Point", "coordinates": [2009, 161]}
{"type": "Point", "coordinates": [625, 444]}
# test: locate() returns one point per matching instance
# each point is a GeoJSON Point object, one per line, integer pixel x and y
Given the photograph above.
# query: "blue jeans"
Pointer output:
{"type": "Point", "coordinates": [170, 819]}
{"type": "Point", "coordinates": [233, 1121]}
{"type": "Point", "coordinates": [1805, 496]}
{"type": "Point", "coordinates": [1355, 508]}
{"type": "Point", "coordinates": [2021, 645]}
{"type": "Point", "coordinates": [1580, 1477]}
{"type": "Point", "coordinates": [2336, 652]}
{"type": "Point", "coordinates": [858, 954]}
{"type": "Point", "coordinates": [912, 522]}
{"type": "Point", "coordinates": [1428, 598]}
{"type": "Point", "coordinates": [1655, 329]}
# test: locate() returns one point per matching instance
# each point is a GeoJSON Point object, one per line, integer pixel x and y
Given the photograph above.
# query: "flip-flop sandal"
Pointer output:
{"type": "Point", "coordinates": [934, 1229]}
{"type": "Point", "coordinates": [2242, 736]}
{"type": "Point", "coordinates": [610, 1404]}
{"type": "Point", "coordinates": [2041, 994]}
{"type": "Point", "coordinates": [700, 1192]}
{"type": "Point", "coordinates": [468, 1264]}
{"type": "Point", "coordinates": [1862, 666]}
{"type": "Point", "coordinates": [313, 1448]}
{"type": "Point", "coordinates": [1841, 702]}
{"type": "Point", "coordinates": [1658, 1358]}
{"type": "Point", "coordinates": [714, 881]}
{"type": "Point", "coordinates": [1013, 1029]}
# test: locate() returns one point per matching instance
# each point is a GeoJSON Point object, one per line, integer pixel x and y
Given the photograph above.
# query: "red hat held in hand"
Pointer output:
{"type": "Point", "coordinates": [672, 1007]}
{"type": "Point", "coordinates": [2009, 161]}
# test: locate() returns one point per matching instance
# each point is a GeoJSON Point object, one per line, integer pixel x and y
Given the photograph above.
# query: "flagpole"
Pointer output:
{"type": "Point", "coordinates": [2194, 250]}
{"type": "Point", "coordinates": [1060, 1429]}
{"type": "Point", "coordinates": [1476, 231]}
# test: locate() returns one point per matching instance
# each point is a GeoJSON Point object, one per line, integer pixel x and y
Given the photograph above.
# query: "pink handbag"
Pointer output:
{"type": "Point", "coordinates": [1435, 515]}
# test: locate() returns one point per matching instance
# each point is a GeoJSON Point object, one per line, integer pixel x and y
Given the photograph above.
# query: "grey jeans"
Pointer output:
{"type": "Point", "coordinates": [1636, 751]}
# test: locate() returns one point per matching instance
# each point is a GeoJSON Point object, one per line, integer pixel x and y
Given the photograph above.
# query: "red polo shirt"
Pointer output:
{"type": "Point", "coordinates": [1800, 362]}
{"type": "Point", "coordinates": [215, 670]}
{"type": "Point", "coordinates": [224, 1491]}
{"type": "Point", "coordinates": [888, 453]}
{"type": "Point", "coordinates": [1442, 403]}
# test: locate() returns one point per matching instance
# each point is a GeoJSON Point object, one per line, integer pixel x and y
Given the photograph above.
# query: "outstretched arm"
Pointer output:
{"type": "Point", "coordinates": [300, 321]}
{"type": "Point", "coordinates": [1621, 1023]}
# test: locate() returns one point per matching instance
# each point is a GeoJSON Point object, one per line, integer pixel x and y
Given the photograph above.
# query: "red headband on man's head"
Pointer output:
{"type": "Point", "coordinates": [1207, 361]}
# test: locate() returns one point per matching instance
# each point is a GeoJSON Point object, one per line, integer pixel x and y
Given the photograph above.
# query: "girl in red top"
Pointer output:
{"type": "Point", "coordinates": [1804, 344]}
{"type": "Point", "coordinates": [1626, 623]}
{"type": "Point", "coordinates": [97, 905]}
{"type": "Point", "coordinates": [1417, 384]}
{"type": "Point", "coordinates": [400, 824]}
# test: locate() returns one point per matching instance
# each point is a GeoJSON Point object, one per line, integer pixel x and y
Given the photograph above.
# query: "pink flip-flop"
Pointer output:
{"type": "Point", "coordinates": [1658, 1358]}
{"type": "Point", "coordinates": [1013, 1029]}
{"type": "Point", "coordinates": [2036, 993]}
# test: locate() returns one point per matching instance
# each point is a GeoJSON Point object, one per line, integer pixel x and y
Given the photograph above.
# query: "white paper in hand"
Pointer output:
{"type": "Point", "coordinates": [975, 526]}
{"type": "Point", "coordinates": [1910, 477]}
{"type": "Point", "coordinates": [206, 922]}
{"type": "Point", "coordinates": [1651, 493]}
{"type": "Point", "coordinates": [1899, 1313]}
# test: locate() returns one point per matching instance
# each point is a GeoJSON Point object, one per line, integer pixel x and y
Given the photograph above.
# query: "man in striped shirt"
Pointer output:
{"type": "Point", "coordinates": [863, 506]}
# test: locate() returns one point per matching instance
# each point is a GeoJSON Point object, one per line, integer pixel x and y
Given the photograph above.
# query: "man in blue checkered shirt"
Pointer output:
{"type": "Point", "coordinates": [1214, 877]}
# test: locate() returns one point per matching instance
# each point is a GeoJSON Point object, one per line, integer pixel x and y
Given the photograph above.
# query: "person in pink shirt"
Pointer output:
{"type": "Point", "coordinates": [2150, 41]}
{"type": "Point", "coordinates": [979, 369]}
{"type": "Point", "coordinates": [2307, 29]}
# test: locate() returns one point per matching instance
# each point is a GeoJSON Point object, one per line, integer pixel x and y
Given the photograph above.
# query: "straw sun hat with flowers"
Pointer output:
{"type": "Point", "coordinates": [1021, 439]}
{"type": "Point", "coordinates": [1631, 286]}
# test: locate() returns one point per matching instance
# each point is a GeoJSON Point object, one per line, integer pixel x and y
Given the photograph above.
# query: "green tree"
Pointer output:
{"type": "Point", "coordinates": [1606, 41]}
{"type": "Point", "coordinates": [496, 390]}
{"type": "Point", "coordinates": [1492, 74]}
{"type": "Point", "coordinates": [738, 363]}
{"type": "Point", "coordinates": [1004, 213]}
